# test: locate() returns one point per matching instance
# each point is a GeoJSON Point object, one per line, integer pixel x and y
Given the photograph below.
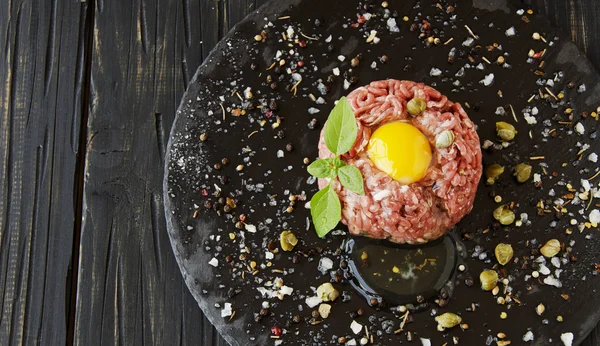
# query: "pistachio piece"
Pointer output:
{"type": "Point", "coordinates": [489, 279]}
{"type": "Point", "coordinates": [505, 131]}
{"type": "Point", "coordinates": [327, 292]}
{"type": "Point", "coordinates": [448, 320]}
{"type": "Point", "coordinates": [504, 215]}
{"type": "Point", "coordinates": [504, 253]}
{"type": "Point", "coordinates": [444, 139]}
{"type": "Point", "coordinates": [522, 172]}
{"type": "Point", "coordinates": [324, 310]}
{"type": "Point", "coordinates": [416, 106]}
{"type": "Point", "coordinates": [551, 248]}
{"type": "Point", "coordinates": [493, 172]}
{"type": "Point", "coordinates": [287, 240]}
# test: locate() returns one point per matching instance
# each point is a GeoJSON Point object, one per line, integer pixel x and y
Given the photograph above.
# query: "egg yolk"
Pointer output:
{"type": "Point", "coordinates": [400, 150]}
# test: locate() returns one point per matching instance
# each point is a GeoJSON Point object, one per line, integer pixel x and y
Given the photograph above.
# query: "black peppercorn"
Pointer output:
{"type": "Point", "coordinates": [225, 161]}
{"type": "Point", "coordinates": [330, 48]}
{"type": "Point", "coordinates": [280, 134]}
{"type": "Point", "coordinates": [317, 22]}
{"type": "Point", "coordinates": [296, 319]}
{"type": "Point", "coordinates": [227, 208]}
{"type": "Point", "coordinates": [289, 147]}
{"type": "Point", "coordinates": [264, 312]}
{"type": "Point", "coordinates": [360, 312]}
{"type": "Point", "coordinates": [315, 314]}
{"type": "Point", "coordinates": [221, 200]}
{"type": "Point", "coordinates": [420, 299]}
{"type": "Point", "coordinates": [295, 259]}
{"type": "Point", "coordinates": [273, 105]}
{"type": "Point", "coordinates": [217, 166]}
{"type": "Point", "coordinates": [353, 315]}
{"type": "Point", "coordinates": [253, 66]}
{"type": "Point", "coordinates": [273, 85]}
{"type": "Point", "coordinates": [223, 179]}
{"type": "Point", "coordinates": [207, 204]}
{"type": "Point", "coordinates": [239, 225]}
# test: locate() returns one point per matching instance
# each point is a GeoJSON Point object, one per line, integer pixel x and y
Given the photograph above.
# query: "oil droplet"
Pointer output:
{"type": "Point", "coordinates": [400, 273]}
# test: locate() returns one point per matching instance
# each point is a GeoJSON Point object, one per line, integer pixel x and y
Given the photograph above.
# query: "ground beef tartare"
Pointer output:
{"type": "Point", "coordinates": [423, 210]}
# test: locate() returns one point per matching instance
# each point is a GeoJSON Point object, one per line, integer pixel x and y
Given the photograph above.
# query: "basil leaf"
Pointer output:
{"type": "Point", "coordinates": [352, 179]}
{"type": "Point", "coordinates": [323, 168]}
{"type": "Point", "coordinates": [340, 128]}
{"type": "Point", "coordinates": [337, 163]}
{"type": "Point", "coordinates": [325, 210]}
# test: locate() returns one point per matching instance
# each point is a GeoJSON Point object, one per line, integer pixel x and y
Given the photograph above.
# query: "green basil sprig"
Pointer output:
{"type": "Point", "coordinates": [340, 134]}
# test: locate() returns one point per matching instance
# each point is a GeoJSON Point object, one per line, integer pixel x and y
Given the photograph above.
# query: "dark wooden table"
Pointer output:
{"type": "Point", "coordinates": [89, 92]}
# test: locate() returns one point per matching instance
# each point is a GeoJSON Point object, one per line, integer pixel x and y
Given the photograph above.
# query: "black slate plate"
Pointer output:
{"type": "Point", "coordinates": [194, 230]}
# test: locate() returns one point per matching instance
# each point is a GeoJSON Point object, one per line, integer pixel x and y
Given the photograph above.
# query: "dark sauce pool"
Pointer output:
{"type": "Point", "coordinates": [387, 273]}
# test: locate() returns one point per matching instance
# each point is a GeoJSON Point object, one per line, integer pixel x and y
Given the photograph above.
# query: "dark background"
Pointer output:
{"type": "Point", "coordinates": [88, 95]}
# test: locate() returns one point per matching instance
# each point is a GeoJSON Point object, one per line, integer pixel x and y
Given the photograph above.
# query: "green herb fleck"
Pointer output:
{"type": "Point", "coordinates": [339, 135]}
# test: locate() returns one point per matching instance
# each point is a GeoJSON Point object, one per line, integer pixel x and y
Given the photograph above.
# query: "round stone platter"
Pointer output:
{"type": "Point", "coordinates": [231, 271]}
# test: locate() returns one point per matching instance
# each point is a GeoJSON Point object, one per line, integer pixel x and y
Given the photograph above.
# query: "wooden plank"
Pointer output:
{"type": "Point", "coordinates": [42, 74]}
{"type": "Point", "coordinates": [130, 289]}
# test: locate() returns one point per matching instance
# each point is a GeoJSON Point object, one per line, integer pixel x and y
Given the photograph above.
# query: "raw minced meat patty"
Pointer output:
{"type": "Point", "coordinates": [424, 210]}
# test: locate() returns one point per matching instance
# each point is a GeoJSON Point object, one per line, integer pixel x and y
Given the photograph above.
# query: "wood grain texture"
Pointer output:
{"type": "Point", "coordinates": [41, 74]}
{"type": "Point", "coordinates": [130, 290]}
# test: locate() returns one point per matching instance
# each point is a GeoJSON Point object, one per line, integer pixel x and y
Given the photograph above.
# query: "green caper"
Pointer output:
{"type": "Point", "coordinates": [493, 172]}
{"type": "Point", "coordinates": [448, 320]}
{"type": "Point", "coordinates": [287, 240]}
{"type": "Point", "coordinates": [504, 215]}
{"type": "Point", "coordinates": [327, 292]}
{"type": "Point", "coordinates": [504, 253]}
{"type": "Point", "coordinates": [505, 131]}
{"type": "Point", "coordinates": [551, 248]}
{"type": "Point", "coordinates": [444, 139]}
{"type": "Point", "coordinates": [522, 172]}
{"type": "Point", "coordinates": [489, 279]}
{"type": "Point", "coordinates": [416, 106]}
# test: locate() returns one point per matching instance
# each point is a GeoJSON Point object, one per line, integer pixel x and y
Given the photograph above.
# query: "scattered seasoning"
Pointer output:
{"type": "Point", "coordinates": [504, 253]}
{"type": "Point", "coordinates": [551, 248]}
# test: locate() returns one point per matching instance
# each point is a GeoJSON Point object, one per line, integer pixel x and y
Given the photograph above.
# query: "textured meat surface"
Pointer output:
{"type": "Point", "coordinates": [424, 210]}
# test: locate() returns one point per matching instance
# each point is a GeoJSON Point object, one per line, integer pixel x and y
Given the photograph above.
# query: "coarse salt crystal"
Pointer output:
{"type": "Point", "coordinates": [567, 338]}
{"type": "Point", "coordinates": [435, 72]}
{"type": "Point", "coordinates": [214, 262]}
{"type": "Point", "coordinates": [341, 58]}
{"type": "Point", "coordinates": [593, 157]}
{"type": "Point", "coordinates": [286, 290]}
{"type": "Point", "coordinates": [351, 342]}
{"type": "Point", "coordinates": [336, 71]}
{"type": "Point", "coordinates": [528, 336]}
{"type": "Point", "coordinates": [312, 301]}
{"type": "Point", "coordinates": [537, 177]}
{"type": "Point", "coordinates": [468, 42]}
{"type": "Point", "coordinates": [356, 327]}
{"type": "Point", "coordinates": [250, 228]}
{"type": "Point", "coordinates": [279, 154]}
{"type": "Point", "coordinates": [585, 184]}
{"type": "Point", "coordinates": [392, 25]}
{"type": "Point", "coordinates": [510, 31]}
{"type": "Point", "coordinates": [488, 80]}
{"type": "Point", "coordinates": [551, 281]}
{"type": "Point", "coordinates": [226, 312]}
{"type": "Point", "coordinates": [595, 216]}
{"type": "Point", "coordinates": [269, 255]}
{"type": "Point", "coordinates": [579, 128]}
{"type": "Point", "coordinates": [325, 264]}
{"type": "Point", "coordinates": [425, 342]}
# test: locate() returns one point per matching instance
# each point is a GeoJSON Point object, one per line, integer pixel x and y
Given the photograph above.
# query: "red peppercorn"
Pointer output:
{"type": "Point", "coordinates": [276, 331]}
{"type": "Point", "coordinates": [300, 63]}
{"type": "Point", "coordinates": [302, 44]}
{"type": "Point", "coordinates": [204, 192]}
